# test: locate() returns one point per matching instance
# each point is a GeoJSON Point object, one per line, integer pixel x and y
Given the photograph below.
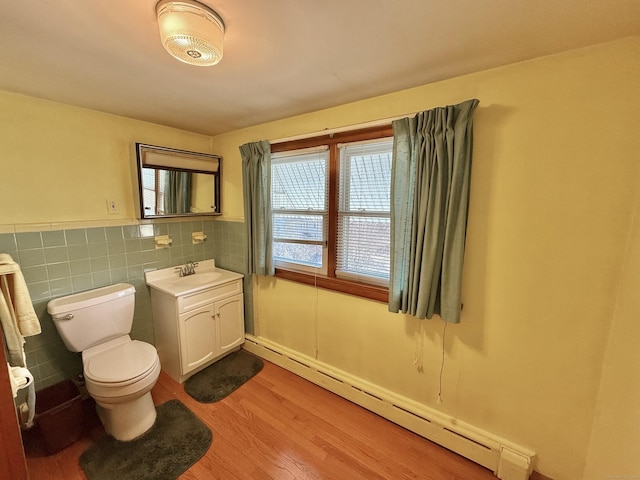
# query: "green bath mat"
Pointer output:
{"type": "Point", "coordinates": [223, 377]}
{"type": "Point", "coordinates": [175, 442]}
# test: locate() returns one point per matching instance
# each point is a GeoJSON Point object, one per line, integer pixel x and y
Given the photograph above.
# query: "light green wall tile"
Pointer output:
{"type": "Point", "coordinates": [135, 272]}
{"type": "Point", "coordinates": [53, 239]}
{"type": "Point", "coordinates": [117, 261]}
{"type": "Point", "coordinates": [81, 283]}
{"type": "Point", "coordinates": [187, 252]}
{"type": "Point", "coordinates": [99, 264]}
{"type": "Point", "coordinates": [60, 287]}
{"type": "Point", "coordinates": [115, 247]}
{"type": "Point", "coordinates": [78, 252]}
{"type": "Point", "coordinates": [8, 243]}
{"type": "Point", "coordinates": [40, 307]}
{"type": "Point", "coordinates": [101, 279]}
{"type": "Point", "coordinates": [27, 240]}
{"type": "Point", "coordinates": [119, 275]}
{"type": "Point", "coordinates": [58, 270]}
{"type": "Point", "coordinates": [131, 231]}
{"type": "Point", "coordinates": [132, 245]}
{"type": "Point", "coordinates": [146, 231]}
{"type": "Point", "coordinates": [148, 256]}
{"type": "Point", "coordinates": [134, 258]}
{"type": "Point", "coordinates": [30, 258]}
{"type": "Point", "coordinates": [174, 229]}
{"type": "Point", "coordinates": [163, 258]}
{"type": "Point", "coordinates": [76, 237]}
{"type": "Point", "coordinates": [80, 267]}
{"type": "Point", "coordinates": [147, 244]}
{"type": "Point", "coordinates": [96, 235]}
{"type": "Point", "coordinates": [98, 249]}
{"type": "Point", "coordinates": [160, 229]}
{"type": "Point", "coordinates": [198, 251]}
{"type": "Point", "coordinates": [186, 228]}
{"type": "Point", "coordinates": [56, 254]}
{"type": "Point", "coordinates": [114, 234]}
{"type": "Point", "coordinates": [35, 274]}
{"type": "Point", "coordinates": [39, 291]}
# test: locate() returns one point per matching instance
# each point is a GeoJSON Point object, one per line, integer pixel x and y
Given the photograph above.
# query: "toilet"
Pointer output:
{"type": "Point", "coordinates": [119, 372]}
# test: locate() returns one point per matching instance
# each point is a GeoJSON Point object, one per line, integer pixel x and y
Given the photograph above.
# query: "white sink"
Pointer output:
{"type": "Point", "coordinates": [197, 279]}
{"type": "Point", "coordinates": [207, 275]}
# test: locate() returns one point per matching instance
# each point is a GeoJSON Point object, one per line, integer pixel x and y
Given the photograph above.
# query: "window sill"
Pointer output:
{"type": "Point", "coordinates": [371, 292]}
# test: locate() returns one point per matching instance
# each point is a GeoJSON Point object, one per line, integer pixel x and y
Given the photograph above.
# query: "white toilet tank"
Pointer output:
{"type": "Point", "coordinates": [89, 318]}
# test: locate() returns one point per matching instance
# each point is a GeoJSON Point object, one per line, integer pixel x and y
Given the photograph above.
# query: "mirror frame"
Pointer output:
{"type": "Point", "coordinates": [165, 158]}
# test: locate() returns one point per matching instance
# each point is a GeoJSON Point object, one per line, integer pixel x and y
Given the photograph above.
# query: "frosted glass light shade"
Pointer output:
{"type": "Point", "coordinates": [190, 31]}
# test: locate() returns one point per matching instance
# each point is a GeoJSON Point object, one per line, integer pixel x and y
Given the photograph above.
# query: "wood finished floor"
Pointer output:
{"type": "Point", "coordinates": [279, 426]}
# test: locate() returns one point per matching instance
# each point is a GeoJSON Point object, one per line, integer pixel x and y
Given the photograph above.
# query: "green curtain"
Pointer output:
{"type": "Point", "coordinates": [256, 182]}
{"type": "Point", "coordinates": [177, 192]}
{"type": "Point", "coordinates": [429, 204]}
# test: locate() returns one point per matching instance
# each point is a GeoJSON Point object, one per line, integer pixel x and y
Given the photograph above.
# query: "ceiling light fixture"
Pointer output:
{"type": "Point", "coordinates": [190, 31]}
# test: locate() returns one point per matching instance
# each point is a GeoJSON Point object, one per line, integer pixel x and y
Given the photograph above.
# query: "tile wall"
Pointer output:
{"type": "Point", "coordinates": [57, 263]}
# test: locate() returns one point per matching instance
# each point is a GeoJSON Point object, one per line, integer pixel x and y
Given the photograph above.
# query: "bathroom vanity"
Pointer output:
{"type": "Point", "coordinates": [197, 318]}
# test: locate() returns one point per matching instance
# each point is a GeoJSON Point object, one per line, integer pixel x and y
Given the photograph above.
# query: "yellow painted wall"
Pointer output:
{"type": "Point", "coordinates": [615, 444]}
{"type": "Point", "coordinates": [61, 163]}
{"type": "Point", "coordinates": [202, 187]}
{"type": "Point", "coordinates": [555, 172]}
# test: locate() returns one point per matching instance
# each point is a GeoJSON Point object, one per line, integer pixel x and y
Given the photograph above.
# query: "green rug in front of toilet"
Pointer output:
{"type": "Point", "coordinates": [176, 441]}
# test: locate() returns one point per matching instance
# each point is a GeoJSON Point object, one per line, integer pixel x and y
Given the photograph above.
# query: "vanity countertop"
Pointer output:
{"type": "Point", "coordinates": [169, 281]}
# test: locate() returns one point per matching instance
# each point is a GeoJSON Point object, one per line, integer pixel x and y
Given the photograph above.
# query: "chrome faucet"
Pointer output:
{"type": "Point", "coordinates": [188, 269]}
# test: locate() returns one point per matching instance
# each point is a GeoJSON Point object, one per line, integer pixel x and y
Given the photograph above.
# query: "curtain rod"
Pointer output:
{"type": "Point", "coordinates": [355, 126]}
{"type": "Point", "coordinates": [346, 128]}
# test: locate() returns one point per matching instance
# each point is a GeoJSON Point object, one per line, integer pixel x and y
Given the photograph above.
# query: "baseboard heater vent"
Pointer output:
{"type": "Point", "coordinates": [299, 363]}
{"type": "Point", "coordinates": [408, 412]}
{"type": "Point", "coordinates": [464, 437]}
{"type": "Point", "coordinates": [505, 459]}
{"type": "Point", "coordinates": [330, 377]}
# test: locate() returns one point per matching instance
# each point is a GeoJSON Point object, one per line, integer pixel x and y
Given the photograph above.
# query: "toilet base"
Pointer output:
{"type": "Point", "coordinates": [128, 420]}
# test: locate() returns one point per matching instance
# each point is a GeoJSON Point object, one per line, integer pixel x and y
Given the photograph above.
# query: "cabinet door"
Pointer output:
{"type": "Point", "coordinates": [230, 314]}
{"type": "Point", "coordinates": [198, 342]}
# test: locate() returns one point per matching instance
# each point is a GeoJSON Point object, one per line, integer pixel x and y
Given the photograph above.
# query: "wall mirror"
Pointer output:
{"type": "Point", "coordinates": [176, 183]}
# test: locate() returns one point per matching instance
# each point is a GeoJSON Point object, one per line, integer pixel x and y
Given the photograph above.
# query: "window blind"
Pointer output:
{"type": "Point", "coordinates": [364, 211]}
{"type": "Point", "coordinates": [153, 186]}
{"type": "Point", "coordinates": [299, 197]}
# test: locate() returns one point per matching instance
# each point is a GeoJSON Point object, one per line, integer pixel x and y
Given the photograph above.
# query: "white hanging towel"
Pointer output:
{"type": "Point", "coordinates": [17, 316]}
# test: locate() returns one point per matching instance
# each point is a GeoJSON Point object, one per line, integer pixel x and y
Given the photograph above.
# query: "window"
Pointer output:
{"type": "Point", "coordinates": [331, 210]}
{"type": "Point", "coordinates": [364, 211]}
{"type": "Point", "coordinates": [299, 197]}
{"type": "Point", "coordinates": [153, 182]}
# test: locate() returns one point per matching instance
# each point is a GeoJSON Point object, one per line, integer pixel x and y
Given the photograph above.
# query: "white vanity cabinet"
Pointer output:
{"type": "Point", "coordinates": [194, 329]}
{"type": "Point", "coordinates": [224, 317]}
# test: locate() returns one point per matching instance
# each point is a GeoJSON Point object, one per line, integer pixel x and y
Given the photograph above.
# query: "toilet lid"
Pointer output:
{"type": "Point", "coordinates": [120, 363]}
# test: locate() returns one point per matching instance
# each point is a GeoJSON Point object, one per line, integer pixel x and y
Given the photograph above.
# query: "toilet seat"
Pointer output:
{"type": "Point", "coordinates": [121, 365]}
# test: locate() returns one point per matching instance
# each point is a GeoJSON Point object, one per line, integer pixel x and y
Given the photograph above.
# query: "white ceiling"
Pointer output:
{"type": "Point", "coordinates": [281, 57]}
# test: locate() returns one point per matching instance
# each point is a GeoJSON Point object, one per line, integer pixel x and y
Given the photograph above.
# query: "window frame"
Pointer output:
{"type": "Point", "coordinates": [330, 281]}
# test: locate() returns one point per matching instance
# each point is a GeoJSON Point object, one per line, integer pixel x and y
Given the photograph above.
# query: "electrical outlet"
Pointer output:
{"type": "Point", "coordinates": [112, 207]}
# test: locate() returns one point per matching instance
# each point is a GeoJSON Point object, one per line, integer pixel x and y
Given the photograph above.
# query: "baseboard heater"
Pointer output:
{"type": "Point", "coordinates": [505, 459]}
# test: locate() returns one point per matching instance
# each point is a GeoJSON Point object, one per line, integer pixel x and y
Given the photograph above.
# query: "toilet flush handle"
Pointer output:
{"type": "Point", "coordinates": [68, 316]}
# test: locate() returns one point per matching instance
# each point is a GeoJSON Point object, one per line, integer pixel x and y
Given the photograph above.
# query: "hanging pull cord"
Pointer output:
{"type": "Point", "coordinates": [418, 356]}
{"type": "Point", "coordinates": [444, 331]}
{"type": "Point", "coordinates": [315, 315]}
